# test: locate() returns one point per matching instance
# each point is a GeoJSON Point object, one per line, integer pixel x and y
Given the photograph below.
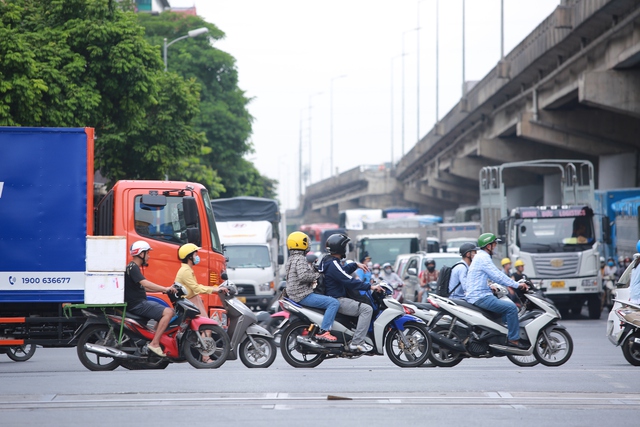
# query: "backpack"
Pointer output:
{"type": "Point", "coordinates": [444, 276]}
{"type": "Point", "coordinates": [320, 287]}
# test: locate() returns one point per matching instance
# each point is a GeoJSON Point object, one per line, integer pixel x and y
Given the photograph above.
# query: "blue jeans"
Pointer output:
{"type": "Point", "coordinates": [329, 304]}
{"type": "Point", "coordinates": [508, 310]}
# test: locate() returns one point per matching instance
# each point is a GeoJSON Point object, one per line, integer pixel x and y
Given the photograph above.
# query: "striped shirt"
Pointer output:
{"type": "Point", "coordinates": [480, 271]}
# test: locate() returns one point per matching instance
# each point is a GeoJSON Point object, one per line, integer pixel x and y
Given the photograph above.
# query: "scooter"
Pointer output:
{"type": "Point", "coordinates": [109, 339]}
{"type": "Point", "coordinates": [277, 319]}
{"type": "Point", "coordinates": [609, 291]}
{"type": "Point", "coordinates": [253, 343]}
{"type": "Point", "coordinates": [404, 337]}
{"type": "Point", "coordinates": [474, 332]}
{"type": "Point", "coordinates": [629, 337]}
{"type": "Point", "coordinates": [19, 353]}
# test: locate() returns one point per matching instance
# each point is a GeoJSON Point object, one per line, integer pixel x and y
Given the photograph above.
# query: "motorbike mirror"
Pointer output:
{"type": "Point", "coordinates": [224, 276]}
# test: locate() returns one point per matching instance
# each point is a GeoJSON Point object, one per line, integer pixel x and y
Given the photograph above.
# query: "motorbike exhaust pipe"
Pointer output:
{"type": "Point", "coordinates": [109, 352]}
{"type": "Point", "coordinates": [447, 342]}
{"type": "Point", "coordinates": [309, 342]}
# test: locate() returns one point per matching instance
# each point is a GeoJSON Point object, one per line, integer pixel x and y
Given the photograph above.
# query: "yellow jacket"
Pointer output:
{"type": "Point", "coordinates": [187, 277]}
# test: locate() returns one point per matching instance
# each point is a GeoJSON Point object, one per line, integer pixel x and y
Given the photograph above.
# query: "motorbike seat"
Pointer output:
{"type": "Point", "coordinates": [496, 317]}
{"type": "Point", "coordinates": [423, 305]}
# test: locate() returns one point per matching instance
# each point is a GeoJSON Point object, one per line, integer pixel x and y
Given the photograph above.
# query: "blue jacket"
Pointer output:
{"type": "Point", "coordinates": [337, 278]}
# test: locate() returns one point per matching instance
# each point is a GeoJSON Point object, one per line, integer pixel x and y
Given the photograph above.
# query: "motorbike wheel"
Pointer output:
{"type": "Point", "coordinates": [420, 345]}
{"type": "Point", "coordinates": [100, 335]}
{"type": "Point", "coordinates": [216, 347]}
{"type": "Point", "coordinates": [133, 365]}
{"type": "Point", "coordinates": [21, 353]}
{"type": "Point", "coordinates": [524, 361]}
{"type": "Point", "coordinates": [631, 350]}
{"type": "Point", "coordinates": [440, 356]}
{"type": "Point", "coordinates": [261, 356]}
{"type": "Point", "coordinates": [553, 347]}
{"type": "Point", "coordinates": [290, 348]}
{"type": "Point", "coordinates": [272, 325]}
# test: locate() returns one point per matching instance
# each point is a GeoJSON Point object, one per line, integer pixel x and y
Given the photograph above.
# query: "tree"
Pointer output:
{"type": "Point", "coordinates": [223, 117]}
{"type": "Point", "coordinates": [77, 63]}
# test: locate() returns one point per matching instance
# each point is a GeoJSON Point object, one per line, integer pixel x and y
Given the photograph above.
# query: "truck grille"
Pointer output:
{"type": "Point", "coordinates": [246, 290]}
{"type": "Point", "coordinates": [556, 265]}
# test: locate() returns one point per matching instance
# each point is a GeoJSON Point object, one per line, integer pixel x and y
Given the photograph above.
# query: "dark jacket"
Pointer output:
{"type": "Point", "coordinates": [337, 278]}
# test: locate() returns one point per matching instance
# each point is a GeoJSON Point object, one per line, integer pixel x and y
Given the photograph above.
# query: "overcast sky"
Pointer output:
{"type": "Point", "coordinates": [289, 51]}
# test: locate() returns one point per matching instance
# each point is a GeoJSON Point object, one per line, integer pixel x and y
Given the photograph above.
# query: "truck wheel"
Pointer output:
{"type": "Point", "coordinates": [595, 306]}
{"type": "Point", "coordinates": [21, 353]}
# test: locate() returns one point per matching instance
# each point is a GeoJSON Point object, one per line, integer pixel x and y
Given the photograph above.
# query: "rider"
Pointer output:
{"type": "Point", "coordinates": [611, 269]}
{"type": "Point", "coordinates": [337, 279]}
{"type": "Point", "coordinates": [389, 276]}
{"type": "Point", "coordinates": [458, 279]}
{"type": "Point", "coordinates": [188, 255]}
{"type": "Point", "coordinates": [426, 276]}
{"type": "Point", "coordinates": [506, 266]}
{"type": "Point", "coordinates": [375, 273]}
{"type": "Point", "coordinates": [634, 283]}
{"type": "Point", "coordinates": [519, 273]}
{"type": "Point", "coordinates": [135, 294]}
{"type": "Point", "coordinates": [301, 279]}
{"type": "Point", "coordinates": [479, 292]}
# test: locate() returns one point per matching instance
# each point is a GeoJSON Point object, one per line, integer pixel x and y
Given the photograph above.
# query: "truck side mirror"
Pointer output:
{"type": "Point", "coordinates": [193, 236]}
{"type": "Point", "coordinates": [280, 259]}
{"type": "Point", "coordinates": [606, 230]}
{"type": "Point", "coordinates": [351, 247]}
{"type": "Point", "coordinates": [190, 211]}
{"type": "Point", "coordinates": [502, 229]}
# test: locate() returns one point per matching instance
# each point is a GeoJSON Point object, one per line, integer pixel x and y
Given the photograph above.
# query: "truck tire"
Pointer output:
{"type": "Point", "coordinates": [594, 304]}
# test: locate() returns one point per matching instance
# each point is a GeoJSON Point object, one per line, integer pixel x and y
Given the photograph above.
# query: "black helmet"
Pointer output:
{"type": "Point", "coordinates": [311, 258]}
{"type": "Point", "coordinates": [465, 248]}
{"type": "Point", "coordinates": [429, 261]}
{"type": "Point", "coordinates": [337, 245]}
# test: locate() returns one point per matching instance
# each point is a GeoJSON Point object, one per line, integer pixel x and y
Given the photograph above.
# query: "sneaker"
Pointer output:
{"type": "Point", "coordinates": [362, 347]}
{"type": "Point", "coordinates": [326, 336]}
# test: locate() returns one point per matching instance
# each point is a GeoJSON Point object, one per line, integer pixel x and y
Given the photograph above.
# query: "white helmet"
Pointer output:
{"type": "Point", "coordinates": [138, 247]}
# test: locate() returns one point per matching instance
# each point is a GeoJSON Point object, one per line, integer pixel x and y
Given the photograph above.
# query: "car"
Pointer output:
{"type": "Point", "coordinates": [453, 245]}
{"type": "Point", "coordinates": [410, 266]}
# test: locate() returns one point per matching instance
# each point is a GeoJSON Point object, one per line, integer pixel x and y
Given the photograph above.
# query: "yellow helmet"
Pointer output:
{"type": "Point", "coordinates": [298, 240]}
{"type": "Point", "coordinates": [186, 250]}
{"type": "Point", "coordinates": [505, 261]}
{"type": "Point", "coordinates": [519, 263]}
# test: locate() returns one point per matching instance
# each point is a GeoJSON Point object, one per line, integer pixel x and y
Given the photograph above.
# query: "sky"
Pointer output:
{"type": "Point", "coordinates": [330, 76]}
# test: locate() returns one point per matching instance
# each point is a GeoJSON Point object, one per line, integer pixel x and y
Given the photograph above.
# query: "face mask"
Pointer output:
{"type": "Point", "coordinates": [376, 271]}
{"type": "Point", "coordinates": [387, 270]}
{"type": "Point", "coordinates": [431, 268]}
{"type": "Point", "coordinates": [610, 263]}
{"type": "Point", "coordinates": [196, 259]}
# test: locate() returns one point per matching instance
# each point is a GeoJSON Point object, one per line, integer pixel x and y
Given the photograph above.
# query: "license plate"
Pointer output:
{"type": "Point", "coordinates": [557, 284]}
{"type": "Point", "coordinates": [242, 299]}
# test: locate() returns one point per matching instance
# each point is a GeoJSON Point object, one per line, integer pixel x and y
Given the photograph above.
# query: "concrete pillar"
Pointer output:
{"type": "Point", "coordinates": [617, 171]}
{"type": "Point", "coordinates": [552, 195]}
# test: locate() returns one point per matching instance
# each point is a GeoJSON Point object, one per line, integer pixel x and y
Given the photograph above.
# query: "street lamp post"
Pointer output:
{"type": "Point", "coordinates": [331, 122]}
{"type": "Point", "coordinates": [403, 55]}
{"type": "Point", "coordinates": [310, 148]}
{"type": "Point", "coordinates": [392, 116]}
{"type": "Point", "coordinates": [418, 69]}
{"type": "Point", "coordinates": [192, 33]}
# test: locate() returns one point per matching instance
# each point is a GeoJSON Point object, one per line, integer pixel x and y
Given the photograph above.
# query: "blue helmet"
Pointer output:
{"type": "Point", "coordinates": [638, 246]}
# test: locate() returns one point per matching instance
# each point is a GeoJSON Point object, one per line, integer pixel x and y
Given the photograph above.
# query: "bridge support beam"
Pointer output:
{"type": "Point", "coordinates": [617, 91]}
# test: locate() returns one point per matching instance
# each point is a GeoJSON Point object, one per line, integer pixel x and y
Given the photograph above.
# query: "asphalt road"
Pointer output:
{"type": "Point", "coordinates": [596, 387]}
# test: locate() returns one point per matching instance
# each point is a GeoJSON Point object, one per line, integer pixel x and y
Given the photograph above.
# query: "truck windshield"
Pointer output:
{"type": "Point", "coordinates": [215, 240]}
{"type": "Point", "coordinates": [570, 234]}
{"type": "Point", "coordinates": [386, 250]}
{"type": "Point", "coordinates": [247, 256]}
{"type": "Point", "coordinates": [164, 223]}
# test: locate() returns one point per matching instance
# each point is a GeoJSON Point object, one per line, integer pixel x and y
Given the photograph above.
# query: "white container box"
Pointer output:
{"type": "Point", "coordinates": [106, 253]}
{"type": "Point", "coordinates": [104, 288]}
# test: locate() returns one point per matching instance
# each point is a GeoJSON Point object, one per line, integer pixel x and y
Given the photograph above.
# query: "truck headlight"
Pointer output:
{"type": "Point", "coordinates": [265, 287]}
{"type": "Point", "coordinates": [589, 283]}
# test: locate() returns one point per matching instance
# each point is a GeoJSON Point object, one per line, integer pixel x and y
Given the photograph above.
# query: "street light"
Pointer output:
{"type": "Point", "coordinates": [192, 33]}
{"type": "Point", "coordinates": [418, 68]}
{"type": "Point", "coordinates": [403, 55]}
{"type": "Point", "coordinates": [310, 148]}
{"type": "Point", "coordinates": [392, 117]}
{"type": "Point", "coordinates": [331, 121]}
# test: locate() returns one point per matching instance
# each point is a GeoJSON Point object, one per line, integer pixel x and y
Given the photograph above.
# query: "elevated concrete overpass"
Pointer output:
{"type": "Point", "coordinates": [570, 90]}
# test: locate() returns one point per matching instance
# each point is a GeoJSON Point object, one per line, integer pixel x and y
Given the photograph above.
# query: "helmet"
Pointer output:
{"type": "Point", "coordinates": [638, 246]}
{"type": "Point", "coordinates": [186, 250]}
{"type": "Point", "coordinates": [298, 240]}
{"type": "Point", "coordinates": [465, 248]}
{"type": "Point", "coordinates": [385, 265]}
{"type": "Point", "coordinates": [376, 265]}
{"type": "Point", "coordinates": [429, 261]}
{"type": "Point", "coordinates": [519, 263]}
{"type": "Point", "coordinates": [138, 247]}
{"type": "Point", "coordinates": [337, 244]}
{"type": "Point", "coordinates": [505, 261]}
{"type": "Point", "coordinates": [311, 258]}
{"type": "Point", "coordinates": [486, 239]}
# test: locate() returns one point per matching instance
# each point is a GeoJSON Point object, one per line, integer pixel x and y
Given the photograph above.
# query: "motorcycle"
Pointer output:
{"type": "Point", "coordinates": [474, 332]}
{"type": "Point", "coordinates": [253, 343]}
{"type": "Point", "coordinates": [277, 320]}
{"type": "Point", "coordinates": [109, 339]}
{"type": "Point", "coordinates": [19, 353]}
{"type": "Point", "coordinates": [404, 337]}
{"type": "Point", "coordinates": [629, 337]}
{"type": "Point", "coordinates": [609, 291]}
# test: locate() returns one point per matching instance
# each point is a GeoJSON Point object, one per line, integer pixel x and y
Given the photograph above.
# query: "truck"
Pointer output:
{"type": "Point", "coordinates": [319, 233]}
{"type": "Point", "coordinates": [50, 229]}
{"type": "Point", "coordinates": [609, 231]}
{"type": "Point", "coordinates": [626, 229]}
{"type": "Point", "coordinates": [384, 247]}
{"type": "Point", "coordinates": [451, 234]}
{"type": "Point", "coordinates": [249, 229]}
{"type": "Point", "coordinates": [354, 219]}
{"type": "Point", "coordinates": [556, 241]}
